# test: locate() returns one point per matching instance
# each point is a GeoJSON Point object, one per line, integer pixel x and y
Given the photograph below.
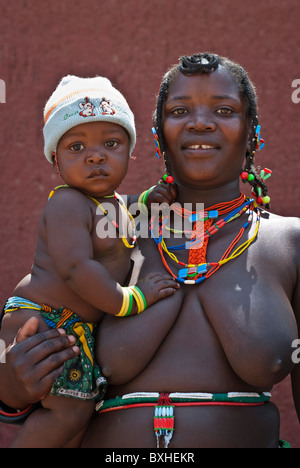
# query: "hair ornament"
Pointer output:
{"type": "Point", "coordinates": [265, 173]}
{"type": "Point", "coordinates": [260, 143]}
{"type": "Point", "coordinates": [198, 63]}
{"type": "Point", "coordinates": [158, 151]}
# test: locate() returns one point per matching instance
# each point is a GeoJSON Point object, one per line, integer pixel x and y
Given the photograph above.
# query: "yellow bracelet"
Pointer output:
{"type": "Point", "coordinates": [139, 298]}
{"type": "Point", "coordinates": [126, 304]}
{"type": "Point", "coordinates": [142, 201]}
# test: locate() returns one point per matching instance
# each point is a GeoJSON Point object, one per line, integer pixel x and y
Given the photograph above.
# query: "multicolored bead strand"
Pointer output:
{"type": "Point", "coordinates": [115, 224]}
{"type": "Point", "coordinates": [195, 273]}
{"type": "Point", "coordinates": [164, 420]}
{"type": "Point", "coordinates": [130, 293]}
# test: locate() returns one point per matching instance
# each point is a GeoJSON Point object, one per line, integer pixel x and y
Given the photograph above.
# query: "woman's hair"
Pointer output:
{"type": "Point", "coordinates": [207, 63]}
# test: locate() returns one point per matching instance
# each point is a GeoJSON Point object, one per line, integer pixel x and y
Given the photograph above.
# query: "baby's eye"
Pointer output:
{"type": "Point", "coordinates": [76, 147]}
{"type": "Point", "coordinates": [111, 143]}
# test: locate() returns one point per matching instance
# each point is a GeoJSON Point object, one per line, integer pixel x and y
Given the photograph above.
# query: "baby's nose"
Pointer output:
{"type": "Point", "coordinates": [96, 157]}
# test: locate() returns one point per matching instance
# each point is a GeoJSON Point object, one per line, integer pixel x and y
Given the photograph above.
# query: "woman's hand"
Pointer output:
{"type": "Point", "coordinates": [33, 362]}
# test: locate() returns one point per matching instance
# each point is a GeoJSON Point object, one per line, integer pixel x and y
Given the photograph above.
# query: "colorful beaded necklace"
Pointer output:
{"type": "Point", "coordinates": [121, 202]}
{"type": "Point", "coordinates": [197, 269]}
{"type": "Point", "coordinates": [114, 223]}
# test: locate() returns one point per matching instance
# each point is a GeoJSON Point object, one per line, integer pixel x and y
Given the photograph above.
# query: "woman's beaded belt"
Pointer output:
{"type": "Point", "coordinates": [164, 404]}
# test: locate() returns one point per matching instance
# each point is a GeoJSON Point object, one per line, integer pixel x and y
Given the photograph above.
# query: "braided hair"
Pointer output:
{"type": "Point", "coordinates": [206, 63]}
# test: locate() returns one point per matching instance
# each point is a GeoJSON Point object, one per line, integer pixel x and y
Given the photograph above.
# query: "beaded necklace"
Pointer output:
{"type": "Point", "coordinates": [196, 271]}
{"type": "Point", "coordinates": [114, 223]}
{"type": "Point", "coordinates": [105, 212]}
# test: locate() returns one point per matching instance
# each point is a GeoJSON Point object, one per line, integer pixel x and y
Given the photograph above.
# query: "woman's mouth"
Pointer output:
{"type": "Point", "coordinates": [200, 147]}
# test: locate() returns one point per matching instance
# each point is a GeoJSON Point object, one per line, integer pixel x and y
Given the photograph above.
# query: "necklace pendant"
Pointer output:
{"type": "Point", "coordinates": [192, 271]}
{"type": "Point", "coordinates": [212, 214]}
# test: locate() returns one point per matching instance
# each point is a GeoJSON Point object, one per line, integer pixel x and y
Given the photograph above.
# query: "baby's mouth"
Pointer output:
{"type": "Point", "coordinates": [97, 173]}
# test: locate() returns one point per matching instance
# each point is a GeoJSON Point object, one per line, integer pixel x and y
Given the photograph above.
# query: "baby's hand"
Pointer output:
{"type": "Point", "coordinates": [162, 193]}
{"type": "Point", "coordinates": [156, 286]}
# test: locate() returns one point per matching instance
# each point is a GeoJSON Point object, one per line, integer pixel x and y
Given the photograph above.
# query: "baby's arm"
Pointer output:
{"type": "Point", "coordinates": [69, 223]}
{"type": "Point", "coordinates": [158, 194]}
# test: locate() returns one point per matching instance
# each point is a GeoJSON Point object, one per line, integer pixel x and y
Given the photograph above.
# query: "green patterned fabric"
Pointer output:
{"type": "Point", "coordinates": [81, 376]}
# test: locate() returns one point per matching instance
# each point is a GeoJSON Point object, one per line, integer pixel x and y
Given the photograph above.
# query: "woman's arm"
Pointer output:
{"type": "Point", "coordinates": [125, 347]}
{"type": "Point", "coordinates": [295, 350]}
{"type": "Point", "coordinates": [30, 366]}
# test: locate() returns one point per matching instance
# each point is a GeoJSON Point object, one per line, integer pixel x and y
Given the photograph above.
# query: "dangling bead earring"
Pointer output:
{"type": "Point", "coordinates": [167, 178]}
{"type": "Point", "coordinates": [54, 155]}
{"type": "Point", "coordinates": [259, 189]}
{"type": "Point", "coordinates": [158, 152]}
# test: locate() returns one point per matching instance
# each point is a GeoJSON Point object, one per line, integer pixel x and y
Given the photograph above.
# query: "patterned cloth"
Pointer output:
{"type": "Point", "coordinates": [81, 377]}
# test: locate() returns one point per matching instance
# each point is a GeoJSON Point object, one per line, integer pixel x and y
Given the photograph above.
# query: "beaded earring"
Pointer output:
{"type": "Point", "coordinates": [54, 155]}
{"type": "Point", "coordinates": [158, 152]}
{"type": "Point", "coordinates": [248, 174]}
{"type": "Point", "coordinates": [167, 178]}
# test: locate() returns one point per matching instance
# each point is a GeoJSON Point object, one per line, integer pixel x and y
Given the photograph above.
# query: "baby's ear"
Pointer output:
{"type": "Point", "coordinates": [56, 169]}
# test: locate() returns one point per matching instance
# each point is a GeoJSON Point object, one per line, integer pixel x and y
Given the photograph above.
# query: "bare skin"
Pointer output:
{"type": "Point", "coordinates": [231, 333]}
{"type": "Point", "coordinates": [77, 268]}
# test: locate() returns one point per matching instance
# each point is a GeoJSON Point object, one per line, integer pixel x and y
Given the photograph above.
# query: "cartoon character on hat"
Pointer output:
{"type": "Point", "coordinates": [107, 107]}
{"type": "Point", "coordinates": [87, 108]}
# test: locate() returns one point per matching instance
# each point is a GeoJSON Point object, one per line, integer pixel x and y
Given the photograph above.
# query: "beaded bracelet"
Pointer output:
{"type": "Point", "coordinates": [142, 200]}
{"type": "Point", "coordinates": [139, 298]}
{"type": "Point", "coordinates": [13, 416]}
{"type": "Point", "coordinates": [130, 293]}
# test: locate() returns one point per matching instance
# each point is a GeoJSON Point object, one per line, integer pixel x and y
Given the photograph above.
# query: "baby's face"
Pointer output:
{"type": "Point", "coordinates": [93, 157]}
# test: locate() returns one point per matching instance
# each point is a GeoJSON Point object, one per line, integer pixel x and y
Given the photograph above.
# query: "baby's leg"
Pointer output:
{"type": "Point", "coordinates": [55, 424]}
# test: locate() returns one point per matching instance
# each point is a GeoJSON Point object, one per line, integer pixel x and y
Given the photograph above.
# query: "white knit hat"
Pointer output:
{"type": "Point", "coordinates": [81, 100]}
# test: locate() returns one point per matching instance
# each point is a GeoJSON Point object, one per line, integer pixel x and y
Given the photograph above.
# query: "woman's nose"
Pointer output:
{"type": "Point", "coordinates": [201, 122]}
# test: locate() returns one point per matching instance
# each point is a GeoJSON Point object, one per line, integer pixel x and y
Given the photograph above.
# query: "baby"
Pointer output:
{"type": "Point", "coordinates": [79, 274]}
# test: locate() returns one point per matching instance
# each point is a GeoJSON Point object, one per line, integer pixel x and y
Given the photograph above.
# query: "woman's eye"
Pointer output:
{"type": "Point", "coordinates": [224, 111]}
{"type": "Point", "coordinates": [76, 147]}
{"type": "Point", "coordinates": [179, 111]}
{"type": "Point", "coordinates": [111, 143]}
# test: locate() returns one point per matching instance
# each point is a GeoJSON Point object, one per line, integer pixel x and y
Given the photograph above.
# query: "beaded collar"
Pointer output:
{"type": "Point", "coordinates": [197, 269]}
{"type": "Point", "coordinates": [105, 212]}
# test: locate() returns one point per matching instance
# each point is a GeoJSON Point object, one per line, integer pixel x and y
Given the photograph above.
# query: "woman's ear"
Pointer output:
{"type": "Point", "coordinates": [250, 136]}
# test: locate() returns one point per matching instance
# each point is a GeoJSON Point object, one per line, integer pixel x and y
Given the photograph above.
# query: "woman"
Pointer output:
{"type": "Point", "coordinates": [203, 362]}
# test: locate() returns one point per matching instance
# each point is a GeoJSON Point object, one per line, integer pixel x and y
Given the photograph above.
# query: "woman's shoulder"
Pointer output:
{"type": "Point", "coordinates": [282, 229]}
{"type": "Point", "coordinates": [288, 223]}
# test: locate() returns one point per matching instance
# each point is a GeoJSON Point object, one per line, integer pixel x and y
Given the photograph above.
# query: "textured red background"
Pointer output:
{"type": "Point", "coordinates": [133, 42]}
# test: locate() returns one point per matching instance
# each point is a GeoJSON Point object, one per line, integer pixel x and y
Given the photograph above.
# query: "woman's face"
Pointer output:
{"type": "Point", "coordinates": [206, 129]}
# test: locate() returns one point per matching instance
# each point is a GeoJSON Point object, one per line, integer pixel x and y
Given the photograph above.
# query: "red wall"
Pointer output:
{"type": "Point", "coordinates": [133, 42]}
